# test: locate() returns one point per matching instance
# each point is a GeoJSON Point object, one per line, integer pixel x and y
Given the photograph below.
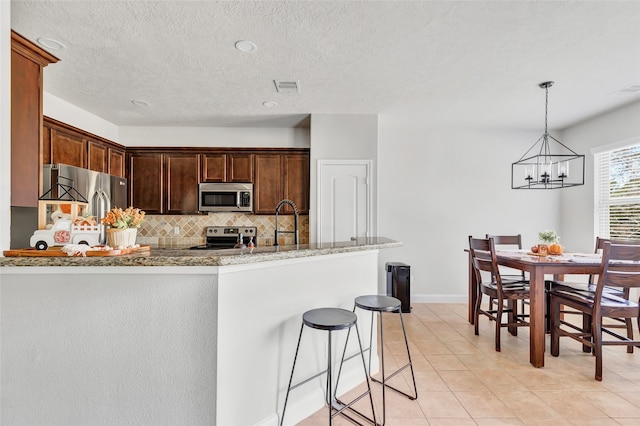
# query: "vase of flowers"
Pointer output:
{"type": "Point", "coordinates": [123, 226]}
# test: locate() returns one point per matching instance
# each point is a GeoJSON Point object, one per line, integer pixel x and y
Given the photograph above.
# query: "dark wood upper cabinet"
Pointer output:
{"type": "Point", "coordinates": [145, 181]}
{"type": "Point", "coordinates": [163, 182]}
{"type": "Point", "coordinates": [67, 149]}
{"type": "Point", "coordinates": [97, 157]}
{"type": "Point", "coordinates": [227, 167]}
{"type": "Point", "coordinates": [105, 158]}
{"type": "Point", "coordinates": [240, 168]}
{"type": "Point", "coordinates": [116, 162]}
{"type": "Point", "coordinates": [296, 182]}
{"type": "Point", "coordinates": [27, 63]}
{"type": "Point", "coordinates": [182, 175]}
{"type": "Point", "coordinates": [65, 144]}
{"type": "Point", "coordinates": [278, 176]}
{"type": "Point", "coordinates": [214, 167]}
{"type": "Point", "coordinates": [268, 189]}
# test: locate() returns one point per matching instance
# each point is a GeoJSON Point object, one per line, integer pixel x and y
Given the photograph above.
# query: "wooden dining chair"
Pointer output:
{"type": "Point", "coordinates": [625, 323]}
{"type": "Point", "coordinates": [599, 301]}
{"type": "Point", "coordinates": [509, 242]}
{"type": "Point", "coordinates": [483, 257]}
{"type": "Point", "coordinates": [510, 276]}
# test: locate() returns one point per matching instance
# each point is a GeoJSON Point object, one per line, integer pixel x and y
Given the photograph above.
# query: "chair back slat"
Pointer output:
{"type": "Point", "coordinates": [507, 240]}
{"type": "Point", "coordinates": [620, 267]}
{"type": "Point", "coordinates": [600, 242]}
{"type": "Point", "coordinates": [515, 242]}
{"type": "Point", "coordinates": [483, 255]}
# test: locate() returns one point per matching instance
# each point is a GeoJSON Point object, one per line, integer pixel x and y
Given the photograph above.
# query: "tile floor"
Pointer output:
{"type": "Point", "coordinates": [461, 380]}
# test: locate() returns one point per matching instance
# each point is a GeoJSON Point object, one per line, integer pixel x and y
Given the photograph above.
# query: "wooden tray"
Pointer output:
{"type": "Point", "coordinates": [57, 252]}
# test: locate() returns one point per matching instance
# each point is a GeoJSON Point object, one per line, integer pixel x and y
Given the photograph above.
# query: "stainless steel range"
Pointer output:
{"type": "Point", "coordinates": [228, 237]}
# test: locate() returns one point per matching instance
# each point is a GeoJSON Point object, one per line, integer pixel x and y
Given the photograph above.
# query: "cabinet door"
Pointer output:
{"type": "Point", "coordinates": [296, 182]}
{"type": "Point", "coordinates": [116, 162]}
{"type": "Point", "coordinates": [25, 131]}
{"type": "Point", "coordinates": [97, 157]}
{"type": "Point", "coordinates": [268, 183]}
{"type": "Point", "coordinates": [145, 182]}
{"type": "Point", "coordinates": [182, 174]}
{"type": "Point", "coordinates": [214, 167]}
{"type": "Point", "coordinates": [240, 168]}
{"type": "Point", "coordinates": [67, 149]}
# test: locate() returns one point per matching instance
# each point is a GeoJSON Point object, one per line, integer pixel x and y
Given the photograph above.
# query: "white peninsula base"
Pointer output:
{"type": "Point", "coordinates": [152, 345]}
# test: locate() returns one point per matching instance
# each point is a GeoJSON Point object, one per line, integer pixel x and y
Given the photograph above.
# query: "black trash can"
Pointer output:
{"type": "Point", "coordinates": [399, 283]}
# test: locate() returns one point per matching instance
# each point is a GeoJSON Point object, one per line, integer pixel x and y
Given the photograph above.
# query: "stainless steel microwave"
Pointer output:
{"type": "Point", "coordinates": [225, 197]}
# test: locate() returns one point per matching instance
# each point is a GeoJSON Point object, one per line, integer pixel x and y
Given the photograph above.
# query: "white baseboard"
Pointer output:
{"type": "Point", "coordinates": [439, 298]}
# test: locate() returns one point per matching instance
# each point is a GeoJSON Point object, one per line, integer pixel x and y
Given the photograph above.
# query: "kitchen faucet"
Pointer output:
{"type": "Point", "coordinates": [295, 223]}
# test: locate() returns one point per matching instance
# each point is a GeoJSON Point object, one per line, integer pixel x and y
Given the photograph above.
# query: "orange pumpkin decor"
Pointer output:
{"type": "Point", "coordinates": [555, 248]}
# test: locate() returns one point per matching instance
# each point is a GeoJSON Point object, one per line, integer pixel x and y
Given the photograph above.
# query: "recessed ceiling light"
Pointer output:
{"type": "Point", "coordinates": [51, 44]}
{"type": "Point", "coordinates": [140, 103]}
{"type": "Point", "coordinates": [270, 104]}
{"type": "Point", "coordinates": [246, 46]}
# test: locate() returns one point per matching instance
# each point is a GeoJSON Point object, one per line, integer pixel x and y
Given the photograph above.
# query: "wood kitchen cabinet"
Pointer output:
{"type": "Point", "coordinates": [145, 182]}
{"type": "Point", "coordinates": [278, 176]}
{"type": "Point", "coordinates": [296, 182]}
{"type": "Point", "coordinates": [116, 162]}
{"type": "Point", "coordinates": [97, 157]}
{"type": "Point", "coordinates": [227, 167]}
{"type": "Point", "coordinates": [181, 175]}
{"type": "Point", "coordinates": [163, 182]}
{"type": "Point", "coordinates": [65, 144]}
{"type": "Point", "coordinates": [240, 167]}
{"type": "Point", "coordinates": [268, 188]}
{"type": "Point", "coordinates": [27, 66]}
{"type": "Point", "coordinates": [67, 149]}
{"type": "Point", "coordinates": [214, 167]}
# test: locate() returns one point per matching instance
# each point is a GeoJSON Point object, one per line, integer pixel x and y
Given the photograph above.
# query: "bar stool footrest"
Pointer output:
{"type": "Point", "coordinates": [341, 408]}
{"type": "Point", "coordinates": [411, 397]}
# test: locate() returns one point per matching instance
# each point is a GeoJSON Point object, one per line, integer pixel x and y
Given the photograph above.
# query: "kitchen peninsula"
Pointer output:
{"type": "Point", "coordinates": [176, 336]}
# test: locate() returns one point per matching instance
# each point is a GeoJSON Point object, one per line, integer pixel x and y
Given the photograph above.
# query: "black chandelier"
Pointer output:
{"type": "Point", "coordinates": [542, 168]}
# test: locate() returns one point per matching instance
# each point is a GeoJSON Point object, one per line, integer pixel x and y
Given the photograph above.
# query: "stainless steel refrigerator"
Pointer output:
{"type": "Point", "coordinates": [102, 191]}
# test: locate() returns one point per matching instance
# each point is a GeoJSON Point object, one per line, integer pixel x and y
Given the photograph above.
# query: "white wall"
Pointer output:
{"type": "Point", "coordinates": [342, 137]}
{"type": "Point", "coordinates": [438, 186]}
{"type": "Point", "coordinates": [108, 345]}
{"type": "Point", "coordinates": [5, 124]}
{"type": "Point", "coordinates": [61, 110]}
{"type": "Point", "coordinates": [250, 137]}
{"type": "Point", "coordinates": [577, 205]}
{"type": "Point", "coordinates": [237, 137]}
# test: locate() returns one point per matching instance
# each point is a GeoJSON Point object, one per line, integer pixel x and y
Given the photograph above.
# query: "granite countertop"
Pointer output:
{"type": "Point", "coordinates": [186, 257]}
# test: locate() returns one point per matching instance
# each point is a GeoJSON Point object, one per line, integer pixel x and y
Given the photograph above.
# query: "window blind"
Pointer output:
{"type": "Point", "coordinates": [617, 193]}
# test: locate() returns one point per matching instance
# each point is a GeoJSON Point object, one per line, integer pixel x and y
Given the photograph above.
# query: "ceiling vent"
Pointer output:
{"type": "Point", "coordinates": [283, 86]}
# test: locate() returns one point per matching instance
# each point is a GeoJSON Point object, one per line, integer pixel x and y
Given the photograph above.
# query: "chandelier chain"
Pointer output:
{"type": "Point", "coordinates": [546, 107]}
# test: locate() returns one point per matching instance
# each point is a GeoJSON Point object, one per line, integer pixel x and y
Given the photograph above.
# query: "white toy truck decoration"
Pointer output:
{"type": "Point", "coordinates": [64, 222]}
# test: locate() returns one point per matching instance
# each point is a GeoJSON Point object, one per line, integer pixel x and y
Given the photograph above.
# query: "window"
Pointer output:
{"type": "Point", "coordinates": [617, 192]}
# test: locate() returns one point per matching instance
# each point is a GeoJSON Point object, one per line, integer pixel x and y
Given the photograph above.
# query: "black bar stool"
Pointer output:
{"type": "Point", "coordinates": [331, 319]}
{"type": "Point", "coordinates": [380, 304]}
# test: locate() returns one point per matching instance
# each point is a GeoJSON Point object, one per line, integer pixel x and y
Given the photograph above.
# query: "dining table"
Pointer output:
{"type": "Point", "coordinates": [537, 267]}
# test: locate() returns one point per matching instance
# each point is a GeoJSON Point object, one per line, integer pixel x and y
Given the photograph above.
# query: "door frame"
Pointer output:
{"type": "Point", "coordinates": [369, 182]}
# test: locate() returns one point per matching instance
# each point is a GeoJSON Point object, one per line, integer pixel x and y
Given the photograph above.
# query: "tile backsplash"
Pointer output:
{"type": "Point", "coordinates": [158, 230]}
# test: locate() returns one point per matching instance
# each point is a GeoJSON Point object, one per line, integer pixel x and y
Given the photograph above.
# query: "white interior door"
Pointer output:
{"type": "Point", "coordinates": [344, 200]}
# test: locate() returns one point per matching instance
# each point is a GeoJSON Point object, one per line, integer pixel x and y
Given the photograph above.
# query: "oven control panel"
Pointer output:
{"type": "Point", "coordinates": [231, 231]}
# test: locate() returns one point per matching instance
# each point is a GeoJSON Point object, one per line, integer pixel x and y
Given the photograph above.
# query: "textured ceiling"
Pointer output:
{"type": "Point", "coordinates": [464, 63]}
